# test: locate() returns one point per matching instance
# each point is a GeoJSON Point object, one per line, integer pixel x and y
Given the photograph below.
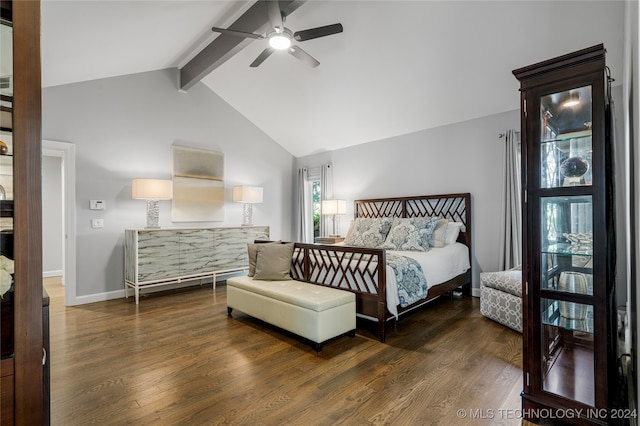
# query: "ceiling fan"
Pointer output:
{"type": "Point", "coordinates": [282, 38]}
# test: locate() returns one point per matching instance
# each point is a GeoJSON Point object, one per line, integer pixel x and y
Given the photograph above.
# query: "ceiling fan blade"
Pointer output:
{"type": "Point", "coordinates": [275, 15]}
{"type": "Point", "coordinates": [303, 56]}
{"type": "Point", "coordinates": [317, 32]}
{"type": "Point", "coordinates": [237, 33]}
{"type": "Point", "coordinates": [261, 57]}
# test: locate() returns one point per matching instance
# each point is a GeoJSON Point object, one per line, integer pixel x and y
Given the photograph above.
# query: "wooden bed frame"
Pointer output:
{"type": "Point", "coordinates": [349, 268]}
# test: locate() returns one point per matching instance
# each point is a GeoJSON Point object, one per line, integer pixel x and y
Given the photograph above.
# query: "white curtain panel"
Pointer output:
{"type": "Point", "coordinates": [511, 224]}
{"type": "Point", "coordinates": [304, 216]}
{"type": "Point", "coordinates": [326, 193]}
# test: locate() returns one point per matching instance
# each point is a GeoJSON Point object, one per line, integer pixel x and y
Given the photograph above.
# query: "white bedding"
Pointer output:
{"type": "Point", "coordinates": [438, 264]}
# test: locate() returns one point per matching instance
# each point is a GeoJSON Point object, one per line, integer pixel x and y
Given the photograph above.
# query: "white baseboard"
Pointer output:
{"type": "Point", "coordinates": [119, 294]}
{"type": "Point", "coordinates": [97, 297]}
{"type": "Point", "coordinates": [48, 274]}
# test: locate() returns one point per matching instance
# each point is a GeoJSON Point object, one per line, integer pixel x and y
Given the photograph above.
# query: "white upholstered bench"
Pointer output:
{"type": "Point", "coordinates": [312, 311]}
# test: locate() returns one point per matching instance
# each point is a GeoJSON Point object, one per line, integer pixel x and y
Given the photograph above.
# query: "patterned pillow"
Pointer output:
{"type": "Point", "coordinates": [410, 234]}
{"type": "Point", "coordinates": [369, 232]}
{"type": "Point", "coordinates": [438, 237]}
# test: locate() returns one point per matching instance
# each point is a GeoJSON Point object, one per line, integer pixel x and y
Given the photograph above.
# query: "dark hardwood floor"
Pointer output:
{"type": "Point", "coordinates": [178, 359]}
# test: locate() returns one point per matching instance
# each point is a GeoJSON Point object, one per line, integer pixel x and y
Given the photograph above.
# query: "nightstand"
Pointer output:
{"type": "Point", "coordinates": [329, 240]}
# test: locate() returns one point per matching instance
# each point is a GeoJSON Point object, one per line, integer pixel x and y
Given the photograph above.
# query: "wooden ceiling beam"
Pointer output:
{"type": "Point", "coordinates": [223, 47]}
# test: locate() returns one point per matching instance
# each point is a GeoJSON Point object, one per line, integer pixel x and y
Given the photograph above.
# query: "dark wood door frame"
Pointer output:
{"type": "Point", "coordinates": [27, 137]}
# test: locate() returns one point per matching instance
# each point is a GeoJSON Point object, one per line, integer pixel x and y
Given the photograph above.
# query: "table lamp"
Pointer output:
{"type": "Point", "coordinates": [152, 190]}
{"type": "Point", "coordinates": [248, 195]}
{"type": "Point", "coordinates": [334, 208]}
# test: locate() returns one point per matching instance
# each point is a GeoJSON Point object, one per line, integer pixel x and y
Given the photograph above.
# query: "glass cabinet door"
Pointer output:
{"type": "Point", "coordinates": [6, 186]}
{"type": "Point", "coordinates": [567, 328]}
{"type": "Point", "coordinates": [566, 147]}
{"type": "Point", "coordinates": [6, 139]}
{"type": "Point", "coordinates": [566, 258]}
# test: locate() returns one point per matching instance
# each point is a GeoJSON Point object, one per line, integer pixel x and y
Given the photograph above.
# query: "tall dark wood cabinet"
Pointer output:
{"type": "Point", "coordinates": [569, 353]}
{"type": "Point", "coordinates": [24, 367]}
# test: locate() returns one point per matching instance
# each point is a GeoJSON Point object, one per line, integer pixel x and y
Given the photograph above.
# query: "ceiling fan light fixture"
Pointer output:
{"type": "Point", "coordinates": [572, 100]}
{"type": "Point", "coordinates": [280, 41]}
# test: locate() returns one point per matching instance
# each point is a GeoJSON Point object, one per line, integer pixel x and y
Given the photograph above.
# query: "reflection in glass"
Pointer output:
{"type": "Point", "coordinates": [567, 349]}
{"type": "Point", "coordinates": [567, 244]}
{"type": "Point", "coordinates": [567, 224]}
{"type": "Point", "coordinates": [565, 132]}
{"type": "Point", "coordinates": [572, 282]}
{"type": "Point", "coordinates": [6, 139]}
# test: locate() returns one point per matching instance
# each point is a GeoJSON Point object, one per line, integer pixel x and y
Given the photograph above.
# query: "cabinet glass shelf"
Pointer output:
{"type": "Point", "coordinates": [563, 142]}
{"type": "Point", "coordinates": [567, 249]}
{"type": "Point", "coordinates": [577, 316]}
{"type": "Point", "coordinates": [568, 348]}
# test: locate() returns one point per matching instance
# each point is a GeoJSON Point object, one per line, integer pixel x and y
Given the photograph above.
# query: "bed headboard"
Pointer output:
{"type": "Point", "coordinates": [455, 207]}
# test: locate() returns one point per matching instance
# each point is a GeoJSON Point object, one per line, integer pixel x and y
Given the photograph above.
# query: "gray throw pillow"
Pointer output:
{"type": "Point", "coordinates": [273, 262]}
{"type": "Point", "coordinates": [252, 254]}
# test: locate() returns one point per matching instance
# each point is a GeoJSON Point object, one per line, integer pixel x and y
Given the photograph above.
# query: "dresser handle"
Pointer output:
{"type": "Point", "coordinates": [44, 356]}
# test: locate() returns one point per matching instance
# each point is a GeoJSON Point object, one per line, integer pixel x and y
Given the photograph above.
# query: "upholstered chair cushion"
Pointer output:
{"type": "Point", "coordinates": [507, 281]}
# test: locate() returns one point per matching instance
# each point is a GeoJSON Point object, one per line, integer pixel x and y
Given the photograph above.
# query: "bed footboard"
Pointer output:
{"type": "Point", "coordinates": [363, 270]}
{"type": "Point", "coordinates": [356, 269]}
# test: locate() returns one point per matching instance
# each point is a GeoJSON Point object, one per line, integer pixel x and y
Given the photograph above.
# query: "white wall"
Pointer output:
{"type": "Point", "coordinates": [52, 216]}
{"type": "Point", "coordinates": [123, 128]}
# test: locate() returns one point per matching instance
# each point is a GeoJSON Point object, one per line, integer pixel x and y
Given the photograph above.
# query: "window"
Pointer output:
{"type": "Point", "coordinates": [315, 206]}
{"type": "Point", "coordinates": [317, 185]}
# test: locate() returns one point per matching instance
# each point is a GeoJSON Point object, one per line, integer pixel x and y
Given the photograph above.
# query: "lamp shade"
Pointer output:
{"type": "Point", "coordinates": [151, 189]}
{"type": "Point", "coordinates": [247, 194]}
{"type": "Point", "coordinates": [334, 207]}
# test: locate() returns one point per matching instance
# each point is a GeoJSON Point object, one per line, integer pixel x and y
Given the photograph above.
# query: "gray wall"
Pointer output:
{"type": "Point", "coordinates": [123, 128]}
{"type": "Point", "coordinates": [52, 218]}
{"type": "Point", "coordinates": [462, 157]}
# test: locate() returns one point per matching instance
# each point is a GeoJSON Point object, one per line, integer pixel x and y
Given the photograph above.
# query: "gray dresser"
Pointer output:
{"type": "Point", "coordinates": [157, 257]}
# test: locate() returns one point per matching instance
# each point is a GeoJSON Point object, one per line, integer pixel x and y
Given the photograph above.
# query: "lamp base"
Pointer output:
{"type": "Point", "coordinates": [153, 214]}
{"type": "Point", "coordinates": [247, 213]}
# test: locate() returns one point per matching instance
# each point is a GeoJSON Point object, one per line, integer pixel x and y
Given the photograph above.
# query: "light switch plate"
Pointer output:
{"type": "Point", "coordinates": [97, 223]}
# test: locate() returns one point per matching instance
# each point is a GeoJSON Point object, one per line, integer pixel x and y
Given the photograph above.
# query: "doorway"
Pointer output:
{"type": "Point", "coordinates": [59, 159]}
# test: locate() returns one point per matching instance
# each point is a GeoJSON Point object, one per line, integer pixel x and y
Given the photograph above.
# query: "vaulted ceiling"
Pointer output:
{"type": "Point", "coordinates": [398, 67]}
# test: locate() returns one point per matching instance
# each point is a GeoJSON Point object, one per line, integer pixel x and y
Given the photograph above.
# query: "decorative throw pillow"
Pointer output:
{"type": "Point", "coordinates": [352, 225]}
{"type": "Point", "coordinates": [451, 235]}
{"type": "Point", "coordinates": [437, 238]}
{"type": "Point", "coordinates": [410, 234]}
{"type": "Point", "coordinates": [252, 254]}
{"type": "Point", "coordinates": [273, 262]}
{"type": "Point", "coordinates": [369, 232]}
